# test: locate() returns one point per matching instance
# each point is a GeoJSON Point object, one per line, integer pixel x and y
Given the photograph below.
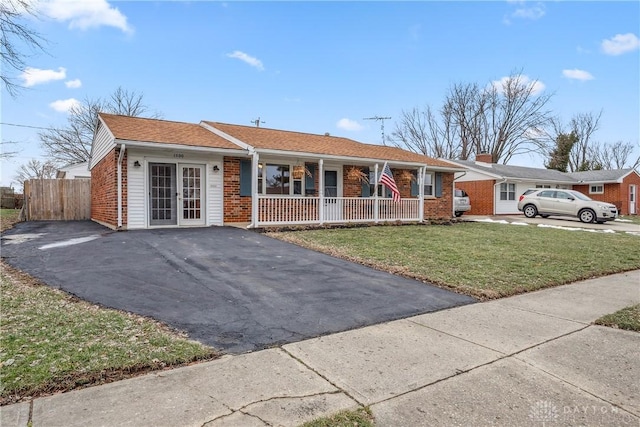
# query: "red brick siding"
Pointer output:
{"type": "Point", "coordinates": [104, 189]}
{"type": "Point", "coordinates": [236, 208]}
{"type": "Point", "coordinates": [481, 195]}
{"type": "Point", "coordinates": [441, 207]}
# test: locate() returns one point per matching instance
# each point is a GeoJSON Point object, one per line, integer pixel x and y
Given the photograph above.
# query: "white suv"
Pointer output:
{"type": "Point", "coordinates": [546, 201]}
{"type": "Point", "coordinates": [461, 202]}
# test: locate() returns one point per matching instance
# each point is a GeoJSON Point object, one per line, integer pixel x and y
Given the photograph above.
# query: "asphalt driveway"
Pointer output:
{"type": "Point", "coordinates": [232, 289]}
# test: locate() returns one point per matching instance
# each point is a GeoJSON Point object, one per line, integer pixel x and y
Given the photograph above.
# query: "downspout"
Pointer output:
{"type": "Point", "coordinates": [254, 188]}
{"type": "Point", "coordinates": [123, 148]}
{"type": "Point", "coordinates": [494, 193]}
{"type": "Point", "coordinates": [423, 172]}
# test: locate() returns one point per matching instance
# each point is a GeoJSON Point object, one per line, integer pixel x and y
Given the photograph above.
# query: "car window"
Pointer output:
{"type": "Point", "coordinates": [528, 192]}
{"type": "Point", "coordinates": [581, 196]}
{"type": "Point", "coordinates": [460, 193]}
{"type": "Point", "coordinates": [563, 195]}
{"type": "Point", "coordinates": [548, 193]}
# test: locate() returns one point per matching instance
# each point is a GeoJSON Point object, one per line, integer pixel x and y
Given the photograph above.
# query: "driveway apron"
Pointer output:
{"type": "Point", "coordinates": [235, 290]}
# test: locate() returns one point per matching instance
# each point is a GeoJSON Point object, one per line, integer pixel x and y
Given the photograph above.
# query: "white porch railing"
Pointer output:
{"type": "Point", "coordinates": [274, 210]}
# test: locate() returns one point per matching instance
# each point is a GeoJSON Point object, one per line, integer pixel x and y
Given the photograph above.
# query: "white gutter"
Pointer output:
{"type": "Point", "coordinates": [162, 145]}
{"type": "Point", "coordinates": [123, 148]}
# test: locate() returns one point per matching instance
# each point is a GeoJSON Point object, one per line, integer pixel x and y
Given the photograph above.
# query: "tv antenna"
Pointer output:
{"type": "Point", "coordinates": [257, 122]}
{"type": "Point", "coordinates": [381, 119]}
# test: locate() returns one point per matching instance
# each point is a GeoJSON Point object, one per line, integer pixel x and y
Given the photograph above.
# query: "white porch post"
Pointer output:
{"type": "Point", "coordinates": [254, 189]}
{"type": "Point", "coordinates": [423, 172]}
{"type": "Point", "coordinates": [375, 196]}
{"type": "Point", "coordinates": [321, 191]}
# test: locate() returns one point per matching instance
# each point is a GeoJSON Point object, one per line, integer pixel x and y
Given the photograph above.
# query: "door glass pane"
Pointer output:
{"type": "Point", "coordinates": [162, 194]}
{"type": "Point", "coordinates": [191, 207]}
{"type": "Point", "coordinates": [331, 184]}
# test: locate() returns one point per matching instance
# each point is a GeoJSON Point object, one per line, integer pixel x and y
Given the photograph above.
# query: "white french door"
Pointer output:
{"type": "Point", "coordinates": [191, 195]}
{"type": "Point", "coordinates": [176, 194]}
{"type": "Point", "coordinates": [632, 199]}
{"type": "Point", "coordinates": [332, 194]}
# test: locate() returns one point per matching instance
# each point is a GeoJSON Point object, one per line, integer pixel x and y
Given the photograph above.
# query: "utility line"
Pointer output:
{"type": "Point", "coordinates": [25, 126]}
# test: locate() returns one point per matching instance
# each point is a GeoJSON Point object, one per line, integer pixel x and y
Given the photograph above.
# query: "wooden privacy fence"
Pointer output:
{"type": "Point", "coordinates": [57, 199]}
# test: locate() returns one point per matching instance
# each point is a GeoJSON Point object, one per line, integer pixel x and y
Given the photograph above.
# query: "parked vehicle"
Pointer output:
{"type": "Point", "coordinates": [461, 202]}
{"type": "Point", "coordinates": [546, 202]}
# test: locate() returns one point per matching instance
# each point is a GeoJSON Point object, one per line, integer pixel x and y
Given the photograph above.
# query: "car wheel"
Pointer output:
{"type": "Point", "coordinates": [544, 216]}
{"type": "Point", "coordinates": [530, 211]}
{"type": "Point", "coordinates": [587, 215]}
{"type": "Point", "coordinates": [459, 213]}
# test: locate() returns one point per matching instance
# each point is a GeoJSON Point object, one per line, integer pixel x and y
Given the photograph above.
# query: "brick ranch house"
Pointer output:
{"type": "Point", "coordinates": [149, 173]}
{"type": "Point", "coordinates": [494, 189]}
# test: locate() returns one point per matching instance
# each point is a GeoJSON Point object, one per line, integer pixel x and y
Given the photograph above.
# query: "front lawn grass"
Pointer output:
{"type": "Point", "coordinates": [483, 260]}
{"type": "Point", "coordinates": [51, 341]}
{"type": "Point", "coordinates": [628, 318]}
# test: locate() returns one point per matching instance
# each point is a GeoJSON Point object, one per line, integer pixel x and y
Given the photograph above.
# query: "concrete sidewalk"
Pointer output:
{"type": "Point", "coordinates": [532, 359]}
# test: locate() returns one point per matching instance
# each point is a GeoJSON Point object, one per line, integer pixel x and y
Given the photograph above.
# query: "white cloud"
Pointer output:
{"type": "Point", "coordinates": [73, 84]}
{"type": "Point", "coordinates": [523, 80]}
{"type": "Point", "coordinates": [254, 62]}
{"type": "Point", "coordinates": [348, 124]}
{"type": "Point", "coordinates": [35, 76]}
{"type": "Point", "coordinates": [533, 13]}
{"type": "Point", "coordinates": [64, 105]}
{"type": "Point", "coordinates": [576, 74]}
{"type": "Point", "coordinates": [85, 14]}
{"type": "Point", "coordinates": [620, 43]}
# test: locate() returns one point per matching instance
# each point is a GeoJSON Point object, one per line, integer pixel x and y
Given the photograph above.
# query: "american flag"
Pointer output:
{"type": "Point", "coordinates": [386, 178]}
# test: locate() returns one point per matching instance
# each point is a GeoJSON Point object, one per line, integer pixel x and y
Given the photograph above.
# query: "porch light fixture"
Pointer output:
{"type": "Point", "coordinates": [216, 168]}
{"type": "Point", "coordinates": [136, 164]}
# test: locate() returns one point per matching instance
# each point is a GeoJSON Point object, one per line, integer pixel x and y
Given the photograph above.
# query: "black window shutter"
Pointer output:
{"type": "Point", "coordinates": [415, 189]}
{"type": "Point", "coordinates": [245, 178]}
{"type": "Point", "coordinates": [438, 184]}
{"type": "Point", "coordinates": [366, 187]}
{"type": "Point", "coordinates": [310, 181]}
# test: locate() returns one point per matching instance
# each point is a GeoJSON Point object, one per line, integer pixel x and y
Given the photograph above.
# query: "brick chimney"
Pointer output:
{"type": "Point", "coordinates": [484, 157]}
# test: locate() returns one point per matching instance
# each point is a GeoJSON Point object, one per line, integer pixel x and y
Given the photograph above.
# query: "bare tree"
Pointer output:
{"type": "Point", "coordinates": [13, 35]}
{"type": "Point", "coordinates": [514, 118]}
{"type": "Point", "coordinates": [615, 155]}
{"type": "Point", "coordinates": [503, 119]}
{"type": "Point", "coordinates": [72, 143]}
{"type": "Point", "coordinates": [584, 155]}
{"type": "Point", "coordinates": [421, 132]}
{"type": "Point", "coordinates": [35, 169]}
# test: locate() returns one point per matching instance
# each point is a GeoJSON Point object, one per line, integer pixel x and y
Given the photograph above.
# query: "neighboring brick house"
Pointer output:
{"type": "Point", "coordinates": [150, 173]}
{"type": "Point", "coordinates": [619, 187]}
{"type": "Point", "coordinates": [494, 189]}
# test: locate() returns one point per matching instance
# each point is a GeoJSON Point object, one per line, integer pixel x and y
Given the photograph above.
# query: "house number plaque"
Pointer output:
{"type": "Point", "coordinates": [178, 156]}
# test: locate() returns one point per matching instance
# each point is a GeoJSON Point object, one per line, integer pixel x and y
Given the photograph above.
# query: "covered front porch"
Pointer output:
{"type": "Point", "coordinates": [294, 191]}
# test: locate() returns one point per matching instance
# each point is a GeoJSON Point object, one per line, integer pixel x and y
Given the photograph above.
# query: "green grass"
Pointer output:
{"type": "Point", "coordinates": [8, 217]}
{"type": "Point", "coordinates": [361, 417]}
{"type": "Point", "coordinates": [51, 341]}
{"type": "Point", "coordinates": [628, 318]}
{"type": "Point", "coordinates": [483, 260]}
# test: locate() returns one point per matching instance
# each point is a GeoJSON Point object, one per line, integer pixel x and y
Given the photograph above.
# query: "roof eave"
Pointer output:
{"type": "Point", "coordinates": [162, 145]}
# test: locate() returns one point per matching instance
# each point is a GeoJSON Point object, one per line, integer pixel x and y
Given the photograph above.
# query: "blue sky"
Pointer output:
{"type": "Point", "coordinates": [324, 66]}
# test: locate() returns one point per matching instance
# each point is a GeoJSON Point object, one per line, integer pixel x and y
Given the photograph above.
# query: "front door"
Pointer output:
{"type": "Point", "coordinates": [632, 200]}
{"type": "Point", "coordinates": [332, 194]}
{"type": "Point", "coordinates": [191, 194]}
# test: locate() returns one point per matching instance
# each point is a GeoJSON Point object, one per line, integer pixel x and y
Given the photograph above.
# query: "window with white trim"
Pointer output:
{"type": "Point", "coordinates": [429, 185]}
{"type": "Point", "coordinates": [596, 189]}
{"type": "Point", "coordinates": [507, 191]}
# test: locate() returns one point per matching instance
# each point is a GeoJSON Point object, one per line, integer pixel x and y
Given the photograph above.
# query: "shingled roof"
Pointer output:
{"type": "Point", "coordinates": [273, 139]}
{"type": "Point", "coordinates": [163, 132]}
